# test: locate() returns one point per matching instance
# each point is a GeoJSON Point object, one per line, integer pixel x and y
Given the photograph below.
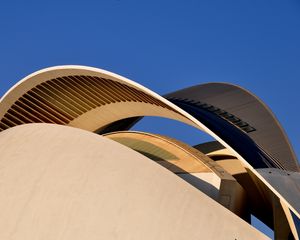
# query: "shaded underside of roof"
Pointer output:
{"type": "Point", "coordinates": [63, 99]}
{"type": "Point", "coordinates": [175, 156]}
{"type": "Point", "coordinates": [244, 111]}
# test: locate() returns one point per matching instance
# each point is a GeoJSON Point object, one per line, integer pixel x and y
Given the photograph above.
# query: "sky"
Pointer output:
{"type": "Point", "coordinates": [163, 45]}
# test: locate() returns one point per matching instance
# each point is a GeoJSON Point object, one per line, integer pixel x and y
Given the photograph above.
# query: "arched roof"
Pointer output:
{"type": "Point", "coordinates": [91, 99]}
{"type": "Point", "coordinates": [77, 96]}
{"type": "Point", "coordinates": [246, 111]}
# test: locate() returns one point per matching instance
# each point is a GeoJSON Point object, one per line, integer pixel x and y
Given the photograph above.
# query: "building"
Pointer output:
{"type": "Point", "coordinates": [70, 167]}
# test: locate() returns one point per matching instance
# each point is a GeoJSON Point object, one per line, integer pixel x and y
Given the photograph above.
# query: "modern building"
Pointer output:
{"type": "Point", "coordinates": [71, 168]}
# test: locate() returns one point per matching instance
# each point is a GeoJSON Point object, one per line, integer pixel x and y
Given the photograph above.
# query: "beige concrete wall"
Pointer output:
{"type": "Point", "coordinates": [63, 183]}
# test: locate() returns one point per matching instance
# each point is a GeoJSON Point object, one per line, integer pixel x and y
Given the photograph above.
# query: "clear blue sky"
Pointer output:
{"type": "Point", "coordinates": [164, 45]}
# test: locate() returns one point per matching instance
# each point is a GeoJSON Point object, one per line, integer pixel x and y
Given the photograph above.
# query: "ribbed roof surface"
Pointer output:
{"type": "Point", "coordinates": [63, 99]}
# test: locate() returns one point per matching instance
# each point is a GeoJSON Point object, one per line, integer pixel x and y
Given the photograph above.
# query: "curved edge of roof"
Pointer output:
{"type": "Point", "coordinates": [56, 71]}
{"type": "Point", "coordinates": [43, 75]}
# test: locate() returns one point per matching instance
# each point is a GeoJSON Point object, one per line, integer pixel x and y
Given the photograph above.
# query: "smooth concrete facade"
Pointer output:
{"type": "Point", "coordinates": [66, 183]}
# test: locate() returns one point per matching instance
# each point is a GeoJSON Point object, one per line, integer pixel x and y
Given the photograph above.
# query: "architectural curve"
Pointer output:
{"type": "Point", "coordinates": [92, 99]}
{"type": "Point", "coordinates": [75, 193]}
{"type": "Point", "coordinates": [73, 95]}
{"type": "Point", "coordinates": [182, 157]}
{"type": "Point", "coordinates": [246, 111]}
{"type": "Point", "coordinates": [189, 164]}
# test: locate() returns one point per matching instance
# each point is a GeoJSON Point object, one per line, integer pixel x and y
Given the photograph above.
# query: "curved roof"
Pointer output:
{"type": "Point", "coordinates": [247, 112]}
{"type": "Point", "coordinates": [77, 96]}
{"type": "Point", "coordinates": [91, 99]}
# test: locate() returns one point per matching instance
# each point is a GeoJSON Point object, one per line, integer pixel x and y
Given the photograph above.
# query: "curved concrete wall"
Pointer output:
{"type": "Point", "coordinates": [59, 182]}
